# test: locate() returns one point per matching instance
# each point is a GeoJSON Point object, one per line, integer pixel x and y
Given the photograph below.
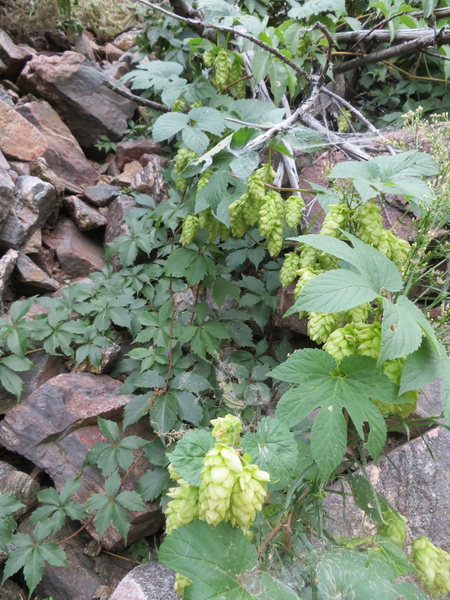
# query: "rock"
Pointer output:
{"type": "Point", "coordinates": [5, 97]}
{"type": "Point", "coordinates": [63, 154]}
{"type": "Point", "coordinates": [415, 479]}
{"type": "Point", "coordinates": [12, 57]}
{"type": "Point", "coordinates": [31, 276]}
{"type": "Point", "coordinates": [6, 190]}
{"type": "Point", "coordinates": [76, 253]}
{"type": "Point", "coordinates": [55, 428]}
{"type": "Point", "coordinates": [19, 139]}
{"type": "Point", "coordinates": [130, 150]}
{"type": "Point", "coordinates": [112, 52]}
{"type": "Point", "coordinates": [74, 87]}
{"type": "Point", "coordinates": [82, 45]}
{"type": "Point", "coordinates": [151, 581]}
{"type": "Point", "coordinates": [293, 322]}
{"type": "Point", "coordinates": [86, 217]}
{"type": "Point", "coordinates": [429, 403]}
{"type": "Point", "coordinates": [11, 591]}
{"type": "Point", "coordinates": [33, 244]}
{"type": "Point", "coordinates": [20, 485]}
{"type": "Point", "coordinates": [126, 40]}
{"type": "Point", "coordinates": [7, 264]}
{"type": "Point", "coordinates": [34, 201]}
{"type": "Point", "coordinates": [150, 181]}
{"type": "Point", "coordinates": [101, 194]}
{"type": "Point", "coordinates": [130, 170]}
{"type": "Point", "coordinates": [46, 367]}
{"type": "Point", "coordinates": [116, 225]}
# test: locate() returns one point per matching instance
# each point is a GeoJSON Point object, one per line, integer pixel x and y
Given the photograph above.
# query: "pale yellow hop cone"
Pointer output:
{"type": "Point", "coordinates": [181, 583]}
{"type": "Point", "coordinates": [247, 498]}
{"type": "Point", "coordinates": [227, 429]}
{"type": "Point", "coordinates": [433, 565]}
{"type": "Point", "coordinates": [183, 508]}
{"type": "Point", "coordinates": [221, 466]}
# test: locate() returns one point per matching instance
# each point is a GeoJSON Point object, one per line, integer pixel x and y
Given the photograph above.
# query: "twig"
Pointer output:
{"type": "Point", "coordinates": [351, 108]}
{"type": "Point", "coordinates": [334, 138]}
{"type": "Point", "coordinates": [233, 83]}
{"type": "Point", "coordinates": [195, 23]}
{"type": "Point", "coordinates": [398, 50]}
{"type": "Point", "coordinates": [247, 124]}
{"type": "Point", "coordinates": [443, 36]}
{"type": "Point", "coordinates": [441, 56]}
{"type": "Point", "coordinates": [172, 321]}
{"type": "Point", "coordinates": [138, 99]}
{"type": "Point", "coordinates": [330, 47]}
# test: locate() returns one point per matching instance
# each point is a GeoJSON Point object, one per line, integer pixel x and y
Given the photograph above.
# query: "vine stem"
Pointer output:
{"type": "Point", "coordinates": [172, 321]}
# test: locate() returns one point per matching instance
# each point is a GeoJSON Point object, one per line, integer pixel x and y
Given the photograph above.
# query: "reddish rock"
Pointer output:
{"type": "Point", "coordinates": [116, 217]}
{"type": "Point", "coordinates": [112, 52]}
{"type": "Point", "coordinates": [76, 253]}
{"type": "Point", "coordinates": [55, 428]}
{"type": "Point", "coordinates": [126, 40]}
{"type": "Point", "coordinates": [74, 87]}
{"type": "Point", "coordinates": [293, 322]}
{"type": "Point", "coordinates": [19, 139]}
{"type": "Point", "coordinates": [12, 57]}
{"type": "Point", "coordinates": [63, 154]}
{"type": "Point", "coordinates": [125, 178]}
{"type": "Point", "coordinates": [86, 217]}
{"type": "Point", "coordinates": [130, 150]}
{"type": "Point", "coordinates": [150, 181]}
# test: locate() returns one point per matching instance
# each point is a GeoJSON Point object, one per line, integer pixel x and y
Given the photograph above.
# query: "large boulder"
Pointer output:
{"type": "Point", "coordinates": [19, 139]}
{"type": "Point", "coordinates": [12, 56]}
{"type": "Point", "coordinates": [151, 581]}
{"type": "Point", "coordinates": [75, 88]}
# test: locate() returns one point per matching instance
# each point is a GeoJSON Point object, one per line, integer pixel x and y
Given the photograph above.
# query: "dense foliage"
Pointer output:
{"type": "Point", "coordinates": [198, 278]}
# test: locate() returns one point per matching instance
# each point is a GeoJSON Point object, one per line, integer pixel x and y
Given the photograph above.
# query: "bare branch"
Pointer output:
{"type": "Point", "coordinates": [122, 91]}
{"type": "Point", "coordinates": [400, 35]}
{"type": "Point", "coordinates": [351, 108]}
{"type": "Point", "coordinates": [334, 138]}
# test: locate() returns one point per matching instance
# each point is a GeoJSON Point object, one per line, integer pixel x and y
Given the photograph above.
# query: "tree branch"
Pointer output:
{"type": "Point", "coordinates": [384, 35]}
{"type": "Point", "coordinates": [138, 99]}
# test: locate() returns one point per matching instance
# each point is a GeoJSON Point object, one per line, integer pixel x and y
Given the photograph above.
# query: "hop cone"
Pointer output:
{"type": "Point", "coordinates": [204, 179]}
{"type": "Point", "coordinates": [368, 223]}
{"type": "Point", "coordinates": [342, 342]}
{"type": "Point", "coordinates": [227, 430]}
{"type": "Point", "coordinates": [256, 189]}
{"type": "Point", "coordinates": [383, 243]}
{"type": "Point", "coordinates": [308, 257]}
{"type": "Point", "coordinates": [275, 240]}
{"type": "Point", "coordinates": [183, 508]}
{"type": "Point", "coordinates": [321, 325]}
{"type": "Point", "coordinates": [288, 271]}
{"type": "Point", "coordinates": [183, 158]}
{"type": "Point", "coordinates": [172, 473]}
{"type": "Point", "coordinates": [266, 172]}
{"type": "Point", "coordinates": [268, 215]}
{"type": "Point", "coordinates": [394, 525]}
{"type": "Point", "coordinates": [221, 466]}
{"type": "Point", "coordinates": [181, 183]}
{"type": "Point", "coordinates": [293, 209]}
{"type": "Point", "coordinates": [247, 498]}
{"type": "Point", "coordinates": [394, 369]}
{"type": "Point", "coordinates": [250, 209]}
{"type": "Point", "coordinates": [222, 66]}
{"type": "Point", "coordinates": [326, 261]}
{"type": "Point", "coordinates": [178, 105]}
{"type": "Point", "coordinates": [433, 565]}
{"type": "Point", "coordinates": [181, 583]}
{"type": "Point", "coordinates": [398, 250]}
{"type": "Point", "coordinates": [204, 217]}
{"type": "Point", "coordinates": [237, 221]}
{"type": "Point", "coordinates": [214, 228]}
{"type": "Point", "coordinates": [190, 226]}
{"type": "Point", "coordinates": [306, 274]}
{"type": "Point", "coordinates": [208, 58]}
{"type": "Point", "coordinates": [335, 219]}
{"type": "Point", "coordinates": [234, 75]}
{"type": "Point", "coordinates": [359, 314]}
{"type": "Point", "coordinates": [368, 338]}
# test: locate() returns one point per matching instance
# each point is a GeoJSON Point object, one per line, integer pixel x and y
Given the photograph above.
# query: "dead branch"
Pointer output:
{"type": "Point", "coordinates": [383, 35]}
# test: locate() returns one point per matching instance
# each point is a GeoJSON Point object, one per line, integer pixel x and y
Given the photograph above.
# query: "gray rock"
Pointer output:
{"type": "Point", "coordinates": [151, 581]}
{"type": "Point", "coordinates": [101, 194]}
{"type": "Point", "coordinates": [74, 87]}
{"type": "Point", "coordinates": [86, 217]}
{"type": "Point", "coordinates": [34, 201]}
{"type": "Point", "coordinates": [5, 97]}
{"type": "Point", "coordinates": [6, 192]}
{"type": "Point", "coordinates": [32, 276]}
{"type": "Point", "coordinates": [11, 591]}
{"type": "Point", "coordinates": [415, 479]}
{"type": "Point", "coordinates": [7, 264]}
{"type": "Point", "coordinates": [20, 485]}
{"type": "Point", "coordinates": [12, 57]}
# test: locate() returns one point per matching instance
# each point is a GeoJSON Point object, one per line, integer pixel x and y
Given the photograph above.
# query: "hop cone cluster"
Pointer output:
{"type": "Point", "coordinates": [335, 219]}
{"type": "Point", "coordinates": [433, 565]}
{"type": "Point", "coordinates": [321, 325]}
{"type": "Point", "coordinates": [183, 508]}
{"type": "Point", "coordinates": [355, 338]}
{"type": "Point", "coordinates": [394, 525]}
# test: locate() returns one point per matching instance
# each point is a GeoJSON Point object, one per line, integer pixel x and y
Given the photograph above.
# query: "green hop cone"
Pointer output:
{"type": "Point", "coordinates": [248, 495]}
{"type": "Point", "coordinates": [433, 565]}
{"type": "Point", "coordinates": [268, 215]}
{"type": "Point", "coordinates": [305, 274]}
{"type": "Point", "coordinates": [293, 210]}
{"type": "Point", "coordinates": [368, 223]}
{"type": "Point", "coordinates": [394, 526]}
{"type": "Point", "coordinates": [183, 158]}
{"type": "Point", "coordinates": [342, 342]}
{"type": "Point", "coordinates": [383, 244]}
{"type": "Point", "coordinates": [172, 473]}
{"type": "Point", "coordinates": [208, 58]}
{"type": "Point", "coordinates": [266, 172]}
{"type": "Point", "coordinates": [359, 314]}
{"type": "Point", "coordinates": [222, 69]}
{"type": "Point", "coordinates": [398, 250]}
{"type": "Point", "coordinates": [275, 240]}
{"type": "Point", "coordinates": [335, 219]}
{"type": "Point", "coordinates": [183, 508]}
{"type": "Point", "coordinates": [250, 209]}
{"type": "Point", "coordinates": [204, 179]}
{"type": "Point", "coordinates": [190, 226]}
{"type": "Point", "coordinates": [221, 466]}
{"type": "Point", "coordinates": [234, 76]}
{"type": "Point", "coordinates": [256, 189]}
{"type": "Point", "coordinates": [327, 261]}
{"type": "Point", "coordinates": [178, 105]}
{"type": "Point", "coordinates": [321, 325]}
{"type": "Point", "coordinates": [237, 220]}
{"type": "Point", "coordinates": [181, 183]}
{"type": "Point", "coordinates": [394, 369]}
{"type": "Point", "coordinates": [368, 338]}
{"type": "Point", "coordinates": [308, 257]}
{"type": "Point", "coordinates": [288, 271]}
{"type": "Point", "coordinates": [227, 430]}
{"type": "Point", "coordinates": [204, 218]}
{"type": "Point", "coordinates": [181, 583]}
